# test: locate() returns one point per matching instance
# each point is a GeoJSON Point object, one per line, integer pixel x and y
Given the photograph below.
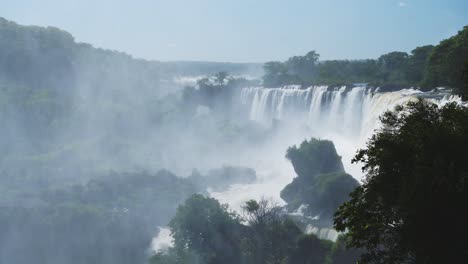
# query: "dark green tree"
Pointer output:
{"type": "Point", "coordinates": [311, 250]}
{"type": "Point", "coordinates": [341, 254]}
{"type": "Point", "coordinates": [448, 63]}
{"type": "Point", "coordinates": [272, 237]}
{"type": "Point", "coordinates": [205, 226]}
{"type": "Point", "coordinates": [393, 67]}
{"type": "Point", "coordinates": [417, 63]}
{"type": "Point", "coordinates": [303, 67]}
{"type": "Point", "coordinates": [276, 74]}
{"type": "Point", "coordinates": [412, 206]}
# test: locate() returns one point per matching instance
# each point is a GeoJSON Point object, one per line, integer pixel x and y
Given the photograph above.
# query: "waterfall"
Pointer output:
{"type": "Point", "coordinates": [319, 107]}
{"type": "Point", "coordinates": [347, 116]}
{"type": "Point", "coordinates": [349, 112]}
{"type": "Point", "coordinates": [322, 233]}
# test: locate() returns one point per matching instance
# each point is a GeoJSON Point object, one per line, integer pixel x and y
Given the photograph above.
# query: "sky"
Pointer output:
{"type": "Point", "coordinates": [247, 30]}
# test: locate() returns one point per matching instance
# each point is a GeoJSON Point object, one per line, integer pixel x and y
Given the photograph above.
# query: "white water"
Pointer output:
{"type": "Point", "coordinates": [346, 116]}
{"type": "Point", "coordinates": [322, 233]}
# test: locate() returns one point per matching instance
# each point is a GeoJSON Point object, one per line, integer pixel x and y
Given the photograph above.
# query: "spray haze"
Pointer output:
{"type": "Point", "coordinates": [110, 158]}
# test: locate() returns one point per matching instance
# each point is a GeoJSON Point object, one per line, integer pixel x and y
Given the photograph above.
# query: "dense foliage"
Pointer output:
{"type": "Point", "coordinates": [206, 227]}
{"type": "Point", "coordinates": [321, 183]}
{"type": "Point", "coordinates": [111, 219]}
{"type": "Point", "coordinates": [448, 63]}
{"type": "Point", "coordinates": [427, 67]}
{"type": "Point", "coordinates": [206, 231]}
{"type": "Point", "coordinates": [411, 207]}
{"type": "Point", "coordinates": [393, 70]}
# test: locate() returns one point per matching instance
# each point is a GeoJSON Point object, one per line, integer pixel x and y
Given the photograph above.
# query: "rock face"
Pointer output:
{"type": "Point", "coordinates": [321, 183]}
{"type": "Point", "coordinates": [314, 157]}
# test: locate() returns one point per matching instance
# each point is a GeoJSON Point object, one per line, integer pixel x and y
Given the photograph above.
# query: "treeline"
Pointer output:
{"type": "Point", "coordinates": [426, 67]}
{"type": "Point", "coordinates": [47, 57]}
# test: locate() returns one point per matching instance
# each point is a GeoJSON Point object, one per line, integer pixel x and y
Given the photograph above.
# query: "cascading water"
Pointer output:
{"type": "Point", "coordinates": [347, 116]}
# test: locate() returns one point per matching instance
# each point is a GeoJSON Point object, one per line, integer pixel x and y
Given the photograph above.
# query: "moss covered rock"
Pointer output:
{"type": "Point", "coordinates": [321, 183]}
{"type": "Point", "coordinates": [314, 157]}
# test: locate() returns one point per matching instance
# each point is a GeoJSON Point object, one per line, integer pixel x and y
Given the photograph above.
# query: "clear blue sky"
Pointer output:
{"type": "Point", "coordinates": [247, 30]}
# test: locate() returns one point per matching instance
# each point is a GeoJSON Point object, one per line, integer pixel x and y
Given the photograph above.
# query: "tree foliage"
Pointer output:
{"type": "Point", "coordinates": [411, 206]}
{"type": "Point", "coordinates": [426, 67]}
{"type": "Point", "coordinates": [109, 219]}
{"type": "Point", "coordinates": [448, 63]}
{"type": "Point", "coordinates": [205, 231]}
{"type": "Point", "coordinates": [205, 226]}
{"type": "Point", "coordinates": [260, 213]}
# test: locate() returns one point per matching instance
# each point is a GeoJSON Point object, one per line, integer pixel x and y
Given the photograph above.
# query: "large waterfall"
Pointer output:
{"type": "Point", "coordinates": [347, 116]}
{"type": "Point", "coordinates": [351, 112]}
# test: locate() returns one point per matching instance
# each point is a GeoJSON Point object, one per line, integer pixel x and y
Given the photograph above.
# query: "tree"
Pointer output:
{"type": "Point", "coordinates": [276, 74]}
{"type": "Point", "coordinates": [261, 213]}
{"type": "Point", "coordinates": [448, 63]}
{"type": "Point", "coordinates": [205, 226]}
{"type": "Point", "coordinates": [173, 256]}
{"type": "Point", "coordinates": [464, 91]}
{"type": "Point", "coordinates": [205, 232]}
{"type": "Point", "coordinates": [303, 67]}
{"type": "Point", "coordinates": [221, 76]}
{"type": "Point", "coordinates": [393, 66]}
{"type": "Point", "coordinates": [296, 70]}
{"type": "Point", "coordinates": [416, 185]}
{"type": "Point", "coordinates": [341, 254]}
{"type": "Point", "coordinates": [417, 63]}
{"type": "Point", "coordinates": [272, 238]}
{"type": "Point", "coordinates": [311, 250]}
